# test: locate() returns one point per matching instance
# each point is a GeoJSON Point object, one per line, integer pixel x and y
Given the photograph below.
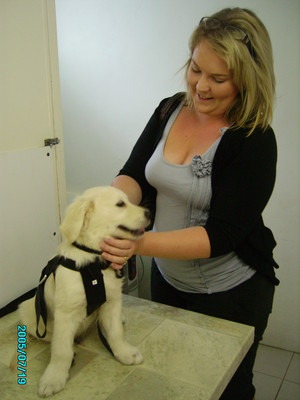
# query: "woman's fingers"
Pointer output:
{"type": "Point", "coordinates": [117, 251]}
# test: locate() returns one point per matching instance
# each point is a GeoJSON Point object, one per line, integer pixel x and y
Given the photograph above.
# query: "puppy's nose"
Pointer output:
{"type": "Point", "coordinates": [147, 214]}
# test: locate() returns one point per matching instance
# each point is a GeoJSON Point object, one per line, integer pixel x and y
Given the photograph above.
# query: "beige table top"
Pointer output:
{"type": "Point", "coordinates": [186, 356]}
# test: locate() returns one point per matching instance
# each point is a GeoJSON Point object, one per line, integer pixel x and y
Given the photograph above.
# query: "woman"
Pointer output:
{"type": "Point", "coordinates": [206, 164]}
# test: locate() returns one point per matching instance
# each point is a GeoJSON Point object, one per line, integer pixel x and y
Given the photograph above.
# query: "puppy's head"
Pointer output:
{"type": "Point", "coordinates": [101, 212]}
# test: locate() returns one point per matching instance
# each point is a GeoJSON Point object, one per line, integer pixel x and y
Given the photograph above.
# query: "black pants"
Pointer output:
{"type": "Point", "coordinates": [249, 303]}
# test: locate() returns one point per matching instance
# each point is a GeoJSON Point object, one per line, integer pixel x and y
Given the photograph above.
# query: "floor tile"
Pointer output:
{"type": "Point", "coordinates": [272, 361]}
{"type": "Point", "coordinates": [94, 375]}
{"type": "Point", "coordinates": [10, 390]}
{"type": "Point", "coordinates": [9, 341]}
{"type": "Point", "coordinates": [289, 391]}
{"type": "Point", "coordinates": [96, 380]}
{"type": "Point", "coordinates": [140, 385]}
{"type": "Point", "coordinates": [82, 358]}
{"type": "Point", "coordinates": [102, 377]}
{"type": "Point", "coordinates": [266, 386]}
{"type": "Point", "coordinates": [137, 327]}
{"type": "Point", "coordinates": [187, 317]}
{"type": "Point", "coordinates": [162, 354]}
{"type": "Point", "coordinates": [293, 373]}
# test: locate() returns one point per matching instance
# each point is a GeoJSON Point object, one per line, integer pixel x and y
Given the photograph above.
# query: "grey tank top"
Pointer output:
{"type": "Point", "coordinates": [183, 200]}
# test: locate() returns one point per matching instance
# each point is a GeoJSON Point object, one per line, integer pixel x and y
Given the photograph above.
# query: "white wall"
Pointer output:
{"type": "Point", "coordinates": [119, 58]}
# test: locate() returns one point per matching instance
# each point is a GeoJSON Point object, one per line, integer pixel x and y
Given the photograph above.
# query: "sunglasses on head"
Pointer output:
{"type": "Point", "coordinates": [210, 23]}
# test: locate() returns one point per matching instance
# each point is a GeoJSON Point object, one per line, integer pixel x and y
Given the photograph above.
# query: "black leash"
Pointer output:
{"type": "Point", "coordinates": [103, 339]}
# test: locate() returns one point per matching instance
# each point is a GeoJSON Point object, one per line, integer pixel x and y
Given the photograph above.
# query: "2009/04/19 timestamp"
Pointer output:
{"type": "Point", "coordinates": [22, 356]}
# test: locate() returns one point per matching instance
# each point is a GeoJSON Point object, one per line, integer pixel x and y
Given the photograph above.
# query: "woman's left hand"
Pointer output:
{"type": "Point", "coordinates": [117, 251]}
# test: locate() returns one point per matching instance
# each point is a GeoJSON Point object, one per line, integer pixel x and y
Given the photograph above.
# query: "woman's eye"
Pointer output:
{"type": "Point", "coordinates": [121, 204]}
{"type": "Point", "coordinates": [218, 80]}
{"type": "Point", "coordinates": [194, 69]}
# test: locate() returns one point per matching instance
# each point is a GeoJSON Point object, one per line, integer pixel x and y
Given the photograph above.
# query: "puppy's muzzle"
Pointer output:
{"type": "Point", "coordinates": [139, 231]}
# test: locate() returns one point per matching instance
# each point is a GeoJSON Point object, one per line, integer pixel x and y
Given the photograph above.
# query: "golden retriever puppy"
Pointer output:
{"type": "Point", "coordinates": [98, 213]}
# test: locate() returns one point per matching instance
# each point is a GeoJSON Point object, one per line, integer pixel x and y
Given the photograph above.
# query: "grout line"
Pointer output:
{"type": "Point", "coordinates": [283, 379]}
{"type": "Point", "coordinates": [279, 389]}
{"type": "Point", "coordinates": [277, 348]}
{"type": "Point", "coordinates": [288, 380]}
{"type": "Point", "coordinates": [288, 366]}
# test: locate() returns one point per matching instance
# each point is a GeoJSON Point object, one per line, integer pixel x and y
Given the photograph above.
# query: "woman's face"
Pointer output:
{"type": "Point", "coordinates": [210, 82]}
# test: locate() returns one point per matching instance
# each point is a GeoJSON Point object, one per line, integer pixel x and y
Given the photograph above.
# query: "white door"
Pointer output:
{"type": "Point", "coordinates": [32, 176]}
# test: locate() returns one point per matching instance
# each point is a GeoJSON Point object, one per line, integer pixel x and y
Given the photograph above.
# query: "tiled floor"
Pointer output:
{"type": "Point", "coordinates": [277, 374]}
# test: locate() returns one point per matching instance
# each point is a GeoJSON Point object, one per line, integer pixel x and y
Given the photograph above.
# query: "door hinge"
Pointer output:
{"type": "Point", "coordinates": [51, 142]}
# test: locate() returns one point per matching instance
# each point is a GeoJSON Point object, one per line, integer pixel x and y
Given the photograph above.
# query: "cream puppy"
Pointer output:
{"type": "Point", "coordinates": [98, 213]}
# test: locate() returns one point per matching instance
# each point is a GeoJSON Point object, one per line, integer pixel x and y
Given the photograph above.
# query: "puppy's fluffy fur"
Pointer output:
{"type": "Point", "coordinates": [99, 213]}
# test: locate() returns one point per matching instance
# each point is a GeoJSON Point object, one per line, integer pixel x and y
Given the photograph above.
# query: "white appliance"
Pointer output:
{"type": "Point", "coordinates": [137, 274]}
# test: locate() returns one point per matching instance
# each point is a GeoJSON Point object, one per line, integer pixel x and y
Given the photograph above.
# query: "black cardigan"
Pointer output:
{"type": "Point", "coordinates": [243, 178]}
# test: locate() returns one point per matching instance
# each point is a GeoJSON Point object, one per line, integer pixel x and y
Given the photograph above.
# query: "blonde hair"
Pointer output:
{"type": "Point", "coordinates": [252, 71]}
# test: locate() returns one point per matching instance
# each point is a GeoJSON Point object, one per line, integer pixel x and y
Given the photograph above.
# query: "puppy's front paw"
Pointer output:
{"type": "Point", "coordinates": [51, 382]}
{"type": "Point", "coordinates": [128, 355]}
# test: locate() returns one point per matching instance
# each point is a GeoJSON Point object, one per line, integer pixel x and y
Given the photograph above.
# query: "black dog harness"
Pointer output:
{"type": "Point", "coordinates": [92, 279]}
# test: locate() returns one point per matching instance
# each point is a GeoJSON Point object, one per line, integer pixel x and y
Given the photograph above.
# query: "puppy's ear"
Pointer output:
{"type": "Point", "coordinates": [76, 218]}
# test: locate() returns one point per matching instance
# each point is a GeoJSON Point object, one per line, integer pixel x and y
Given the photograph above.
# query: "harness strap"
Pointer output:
{"type": "Point", "coordinates": [40, 305]}
{"type": "Point", "coordinates": [93, 282]}
{"type": "Point", "coordinates": [104, 264]}
{"type": "Point", "coordinates": [87, 249]}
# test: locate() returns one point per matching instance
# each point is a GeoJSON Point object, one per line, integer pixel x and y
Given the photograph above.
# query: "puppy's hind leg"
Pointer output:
{"type": "Point", "coordinates": [110, 319]}
{"type": "Point", "coordinates": [56, 374]}
{"type": "Point", "coordinates": [27, 319]}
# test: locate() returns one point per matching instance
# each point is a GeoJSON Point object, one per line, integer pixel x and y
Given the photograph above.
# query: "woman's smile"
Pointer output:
{"type": "Point", "coordinates": [203, 98]}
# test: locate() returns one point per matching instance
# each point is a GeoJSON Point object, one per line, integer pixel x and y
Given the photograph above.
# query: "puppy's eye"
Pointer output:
{"type": "Point", "coordinates": [121, 204]}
